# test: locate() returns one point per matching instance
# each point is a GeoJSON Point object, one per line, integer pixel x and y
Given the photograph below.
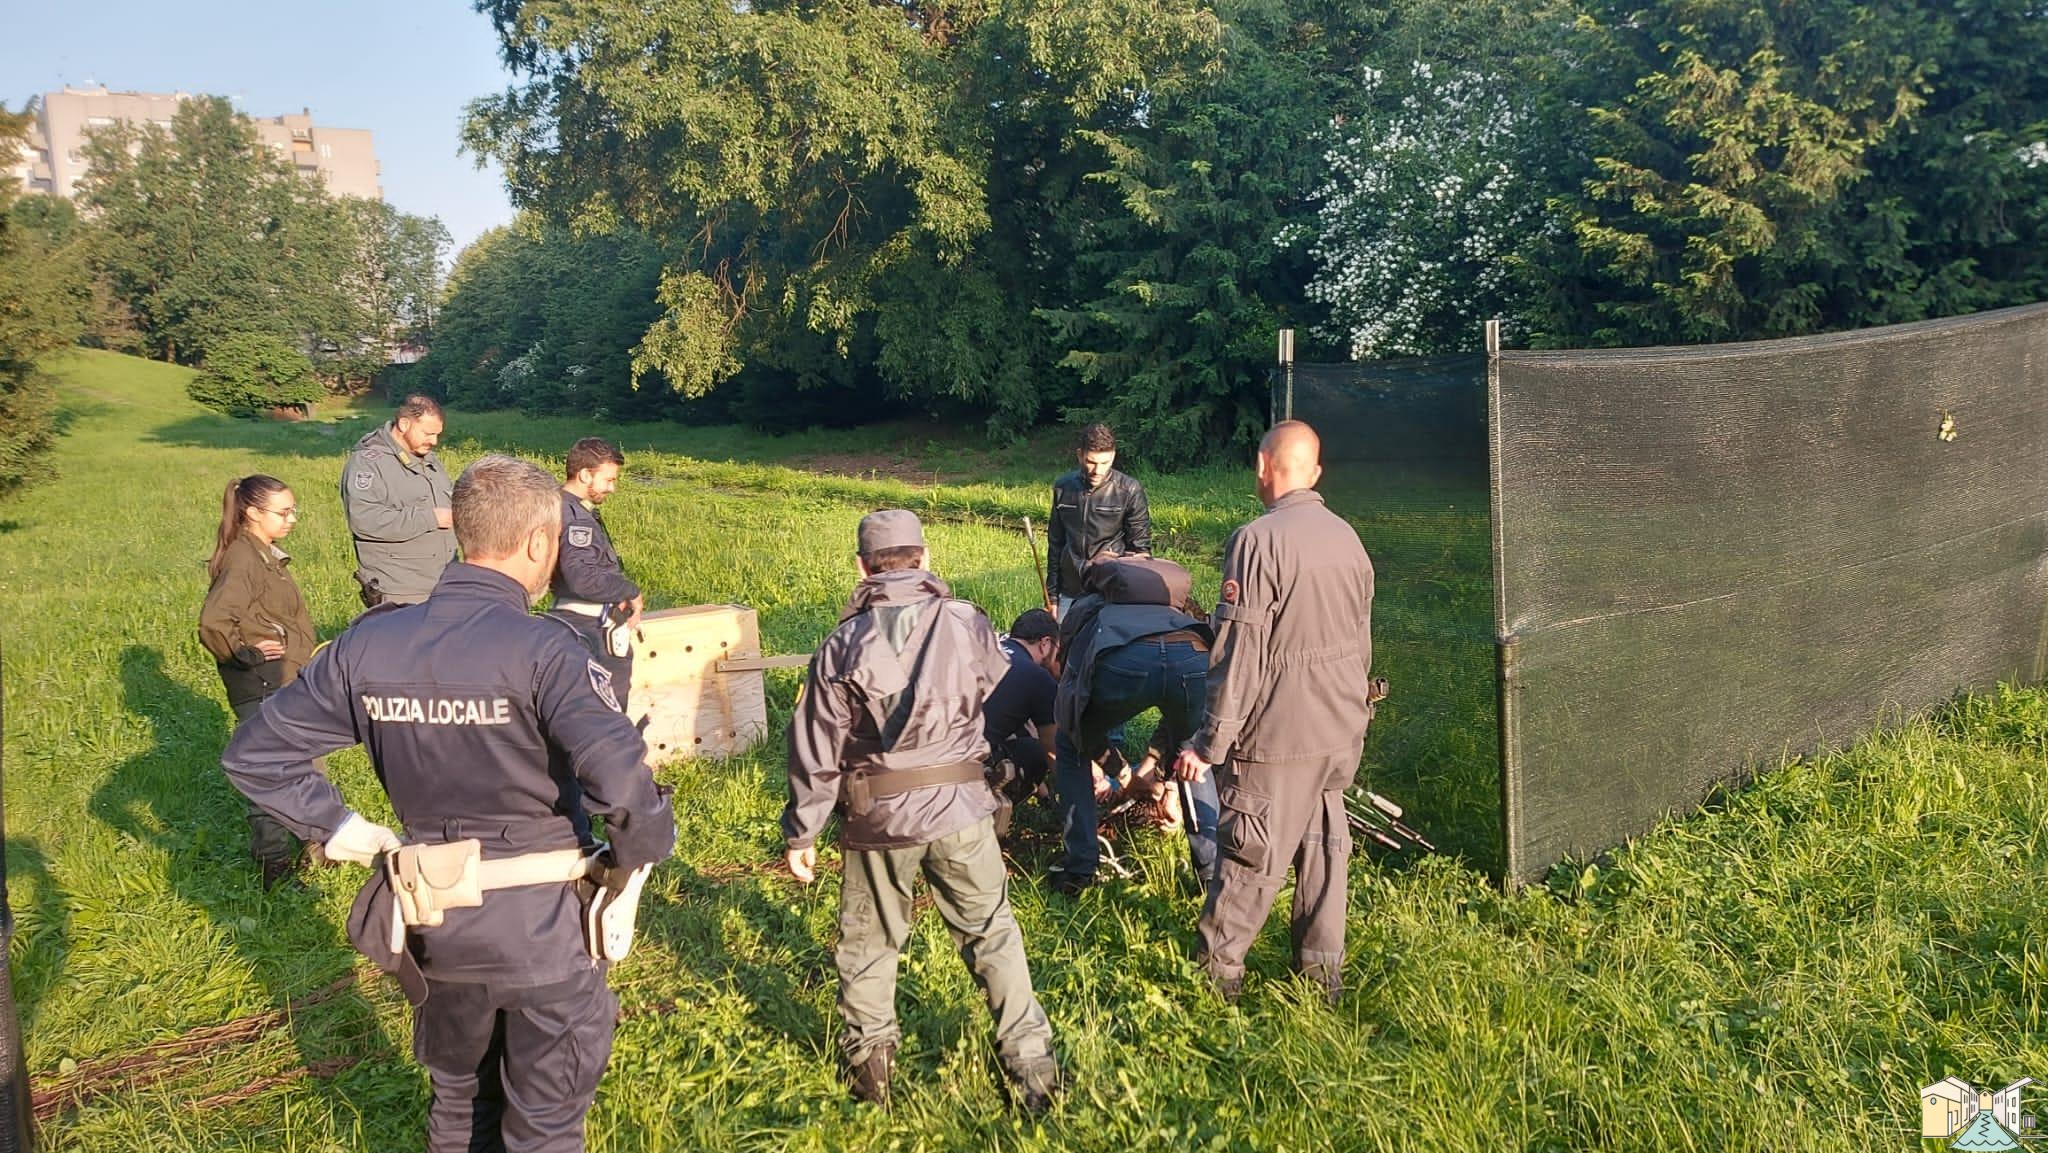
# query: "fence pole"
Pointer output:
{"type": "Point", "coordinates": [1287, 373]}
{"type": "Point", "coordinates": [1507, 674]}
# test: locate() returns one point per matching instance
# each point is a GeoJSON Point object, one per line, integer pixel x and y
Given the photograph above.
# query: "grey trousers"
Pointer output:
{"type": "Point", "coordinates": [514, 1070]}
{"type": "Point", "coordinates": [971, 890]}
{"type": "Point", "coordinates": [1275, 816]}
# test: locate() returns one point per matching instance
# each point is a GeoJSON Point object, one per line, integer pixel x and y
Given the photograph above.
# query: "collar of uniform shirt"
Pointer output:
{"type": "Point", "coordinates": [464, 579]}
{"type": "Point", "coordinates": [1298, 496]}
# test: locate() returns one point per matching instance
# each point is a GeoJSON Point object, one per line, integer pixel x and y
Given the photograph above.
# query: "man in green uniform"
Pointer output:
{"type": "Point", "coordinates": [889, 728]}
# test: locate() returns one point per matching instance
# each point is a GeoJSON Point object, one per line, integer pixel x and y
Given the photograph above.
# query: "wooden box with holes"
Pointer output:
{"type": "Point", "coordinates": [697, 681]}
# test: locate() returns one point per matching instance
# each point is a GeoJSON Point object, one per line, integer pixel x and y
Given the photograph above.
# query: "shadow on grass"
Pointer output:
{"type": "Point", "coordinates": [42, 939]}
{"type": "Point", "coordinates": [691, 928]}
{"type": "Point", "coordinates": [164, 797]}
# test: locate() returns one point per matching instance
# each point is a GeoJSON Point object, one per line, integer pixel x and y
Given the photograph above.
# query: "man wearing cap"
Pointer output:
{"type": "Point", "coordinates": [889, 729]}
{"type": "Point", "coordinates": [1287, 711]}
{"type": "Point", "coordinates": [398, 499]}
{"type": "Point", "coordinates": [591, 590]}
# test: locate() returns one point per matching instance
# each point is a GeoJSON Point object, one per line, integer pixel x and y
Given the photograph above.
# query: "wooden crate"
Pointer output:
{"type": "Point", "coordinates": [692, 707]}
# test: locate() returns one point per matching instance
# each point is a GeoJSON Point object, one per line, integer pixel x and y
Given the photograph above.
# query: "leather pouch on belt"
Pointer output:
{"type": "Point", "coordinates": [428, 880]}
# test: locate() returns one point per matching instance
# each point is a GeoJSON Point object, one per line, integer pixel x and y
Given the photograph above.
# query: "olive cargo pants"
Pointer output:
{"type": "Point", "coordinates": [1274, 816]}
{"type": "Point", "coordinates": [971, 890]}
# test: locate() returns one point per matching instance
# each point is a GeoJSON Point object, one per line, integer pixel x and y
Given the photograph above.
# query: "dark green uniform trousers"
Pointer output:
{"type": "Point", "coordinates": [1276, 816]}
{"type": "Point", "coordinates": [971, 890]}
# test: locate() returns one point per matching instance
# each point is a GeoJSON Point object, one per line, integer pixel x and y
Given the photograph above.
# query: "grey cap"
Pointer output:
{"type": "Point", "coordinates": [890, 528]}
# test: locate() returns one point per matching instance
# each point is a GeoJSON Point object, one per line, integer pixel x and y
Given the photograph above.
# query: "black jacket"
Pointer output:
{"type": "Point", "coordinates": [481, 721]}
{"type": "Point", "coordinates": [1113, 517]}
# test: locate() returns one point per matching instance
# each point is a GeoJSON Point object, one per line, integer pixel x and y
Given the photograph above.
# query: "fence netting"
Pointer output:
{"type": "Point", "coordinates": [1405, 460]}
{"type": "Point", "coordinates": [1711, 558]}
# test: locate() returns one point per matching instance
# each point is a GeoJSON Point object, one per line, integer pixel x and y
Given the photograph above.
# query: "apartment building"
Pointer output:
{"type": "Point", "coordinates": [54, 161]}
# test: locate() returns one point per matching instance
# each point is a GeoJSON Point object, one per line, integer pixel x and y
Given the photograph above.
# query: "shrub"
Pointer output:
{"type": "Point", "coordinates": [247, 374]}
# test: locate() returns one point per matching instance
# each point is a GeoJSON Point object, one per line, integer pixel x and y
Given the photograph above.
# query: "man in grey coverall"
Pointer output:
{"type": "Point", "coordinates": [397, 498]}
{"type": "Point", "coordinates": [1286, 719]}
{"type": "Point", "coordinates": [889, 729]}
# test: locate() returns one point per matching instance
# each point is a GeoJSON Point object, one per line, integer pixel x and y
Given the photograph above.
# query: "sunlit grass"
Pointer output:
{"type": "Point", "coordinates": [1781, 972]}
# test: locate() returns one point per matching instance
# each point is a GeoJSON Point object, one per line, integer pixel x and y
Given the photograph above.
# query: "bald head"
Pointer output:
{"type": "Point", "coordinates": [1290, 458]}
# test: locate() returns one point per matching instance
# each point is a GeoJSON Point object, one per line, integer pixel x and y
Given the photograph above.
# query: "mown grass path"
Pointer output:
{"type": "Point", "coordinates": [1783, 972]}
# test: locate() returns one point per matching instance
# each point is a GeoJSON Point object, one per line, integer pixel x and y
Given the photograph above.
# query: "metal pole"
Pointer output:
{"type": "Point", "coordinates": [1287, 373]}
{"type": "Point", "coordinates": [1507, 674]}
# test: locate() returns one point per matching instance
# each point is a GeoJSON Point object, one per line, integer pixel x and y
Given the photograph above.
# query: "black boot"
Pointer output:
{"type": "Point", "coordinates": [1034, 1087]}
{"type": "Point", "coordinates": [869, 1078]}
{"type": "Point", "coordinates": [277, 870]}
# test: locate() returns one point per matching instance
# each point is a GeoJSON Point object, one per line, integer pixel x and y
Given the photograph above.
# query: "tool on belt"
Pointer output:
{"type": "Point", "coordinates": [613, 623]}
{"type": "Point", "coordinates": [428, 880]}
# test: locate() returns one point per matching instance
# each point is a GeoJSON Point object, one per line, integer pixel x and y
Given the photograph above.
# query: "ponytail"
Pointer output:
{"type": "Point", "coordinates": [242, 494]}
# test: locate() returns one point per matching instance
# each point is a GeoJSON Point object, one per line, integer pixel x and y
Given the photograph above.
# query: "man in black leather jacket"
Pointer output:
{"type": "Point", "coordinates": [1096, 510]}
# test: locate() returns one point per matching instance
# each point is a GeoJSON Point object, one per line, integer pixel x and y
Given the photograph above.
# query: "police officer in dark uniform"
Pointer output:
{"type": "Point", "coordinates": [888, 729]}
{"type": "Point", "coordinates": [496, 736]}
{"type": "Point", "coordinates": [1017, 717]}
{"type": "Point", "coordinates": [591, 590]}
{"type": "Point", "coordinates": [1129, 645]}
{"type": "Point", "coordinates": [1288, 707]}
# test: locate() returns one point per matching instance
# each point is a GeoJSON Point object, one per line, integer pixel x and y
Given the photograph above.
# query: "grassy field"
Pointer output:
{"type": "Point", "coordinates": [1782, 972]}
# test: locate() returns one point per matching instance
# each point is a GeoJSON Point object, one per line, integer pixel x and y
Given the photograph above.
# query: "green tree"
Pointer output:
{"type": "Point", "coordinates": [836, 169]}
{"type": "Point", "coordinates": [250, 373]}
{"type": "Point", "coordinates": [42, 289]}
{"type": "Point", "coordinates": [204, 234]}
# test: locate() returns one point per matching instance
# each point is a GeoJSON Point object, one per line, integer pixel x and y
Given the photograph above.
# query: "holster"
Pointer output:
{"type": "Point", "coordinates": [428, 880]}
{"type": "Point", "coordinates": [610, 914]}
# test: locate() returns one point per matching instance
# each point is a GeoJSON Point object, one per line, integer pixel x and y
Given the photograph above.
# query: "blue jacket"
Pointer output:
{"type": "Point", "coordinates": [482, 721]}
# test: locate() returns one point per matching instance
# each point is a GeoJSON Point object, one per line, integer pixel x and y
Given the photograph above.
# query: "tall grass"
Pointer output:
{"type": "Point", "coordinates": [1783, 971]}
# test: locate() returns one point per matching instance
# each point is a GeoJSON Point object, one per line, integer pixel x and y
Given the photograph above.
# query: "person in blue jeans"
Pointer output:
{"type": "Point", "coordinates": [1129, 647]}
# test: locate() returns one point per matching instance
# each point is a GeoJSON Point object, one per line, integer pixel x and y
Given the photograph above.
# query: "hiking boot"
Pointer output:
{"type": "Point", "coordinates": [1228, 988]}
{"type": "Point", "coordinates": [869, 1078]}
{"type": "Point", "coordinates": [1034, 1087]}
{"type": "Point", "coordinates": [276, 870]}
{"type": "Point", "coordinates": [1070, 884]}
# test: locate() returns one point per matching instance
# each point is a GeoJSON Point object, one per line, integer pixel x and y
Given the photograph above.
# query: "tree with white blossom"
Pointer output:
{"type": "Point", "coordinates": [1429, 207]}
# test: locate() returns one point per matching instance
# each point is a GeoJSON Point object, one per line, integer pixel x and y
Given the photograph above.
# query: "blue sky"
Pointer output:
{"type": "Point", "coordinates": [403, 70]}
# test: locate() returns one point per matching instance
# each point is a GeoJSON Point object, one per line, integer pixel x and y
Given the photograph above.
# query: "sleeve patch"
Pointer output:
{"type": "Point", "coordinates": [601, 680]}
{"type": "Point", "coordinates": [579, 536]}
{"type": "Point", "coordinates": [363, 480]}
{"type": "Point", "coordinates": [1231, 592]}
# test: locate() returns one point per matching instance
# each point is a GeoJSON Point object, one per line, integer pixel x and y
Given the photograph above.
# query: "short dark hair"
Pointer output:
{"type": "Point", "coordinates": [1098, 438]}
{"type": "Point", "coordinates": [591, 452]}
{"type": "Point", "coordinates": [1034, 625]}
{"type": "Point", "coordinates": [416, 406]}
{"type": "Point", "coordinates": [893, 559]}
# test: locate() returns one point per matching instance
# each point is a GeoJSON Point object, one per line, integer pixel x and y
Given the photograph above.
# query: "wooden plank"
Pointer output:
{"type": "Point", "coordinates": [756, 664]}
{"type": "Point", "coordinates": [692, 708]}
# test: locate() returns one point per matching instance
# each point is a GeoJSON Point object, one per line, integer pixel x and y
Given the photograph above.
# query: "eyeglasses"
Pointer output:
{"type": "Point", "coordinates": [291, 513]}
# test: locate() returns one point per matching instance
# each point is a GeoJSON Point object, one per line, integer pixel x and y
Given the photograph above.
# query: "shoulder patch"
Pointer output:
{"type": "Point", "coordinates": [1231, 592]}
{"type": "Point", "coordinates": [363, 479]}
{"type": "Point", "coordinates": [601, 680]}
{"type": "Point", "coordinates": [579, 535]}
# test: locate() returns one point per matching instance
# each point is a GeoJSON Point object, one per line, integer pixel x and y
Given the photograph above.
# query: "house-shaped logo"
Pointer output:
{"type": "Point", "coordinates": [1974, 1122]}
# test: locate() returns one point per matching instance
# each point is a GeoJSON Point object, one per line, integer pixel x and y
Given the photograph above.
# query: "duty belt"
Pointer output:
{"type": "Point", "coordinates": [866, 786]}
{"type": "Point", "coordinates": [582, 608]}
{"type": "Point", "coordinates": [428, 880]}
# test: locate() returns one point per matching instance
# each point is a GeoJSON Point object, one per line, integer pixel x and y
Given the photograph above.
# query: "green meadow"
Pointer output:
{"type": "Point", "coordinates": [1784, 970]}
